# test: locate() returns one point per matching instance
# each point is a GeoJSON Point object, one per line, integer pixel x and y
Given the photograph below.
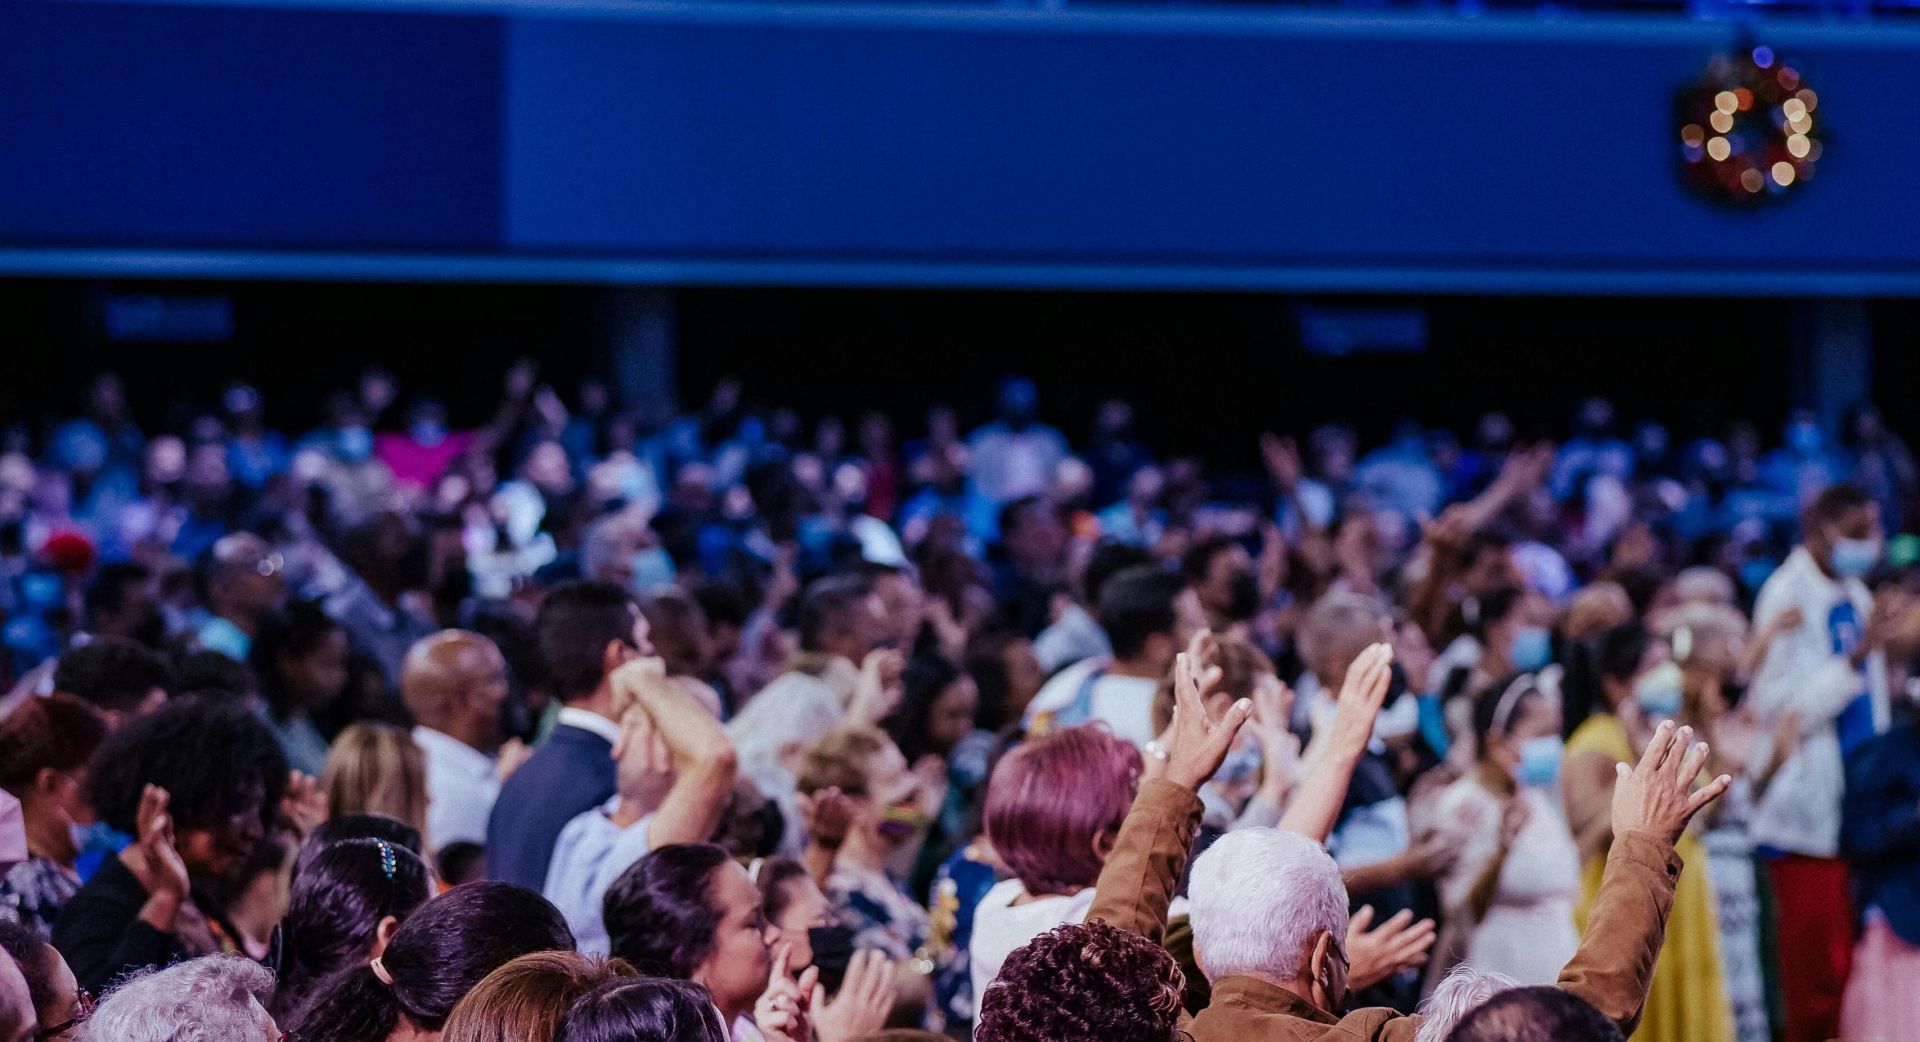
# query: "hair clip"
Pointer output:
{"type": "Point", "coordinates": [387, 863]}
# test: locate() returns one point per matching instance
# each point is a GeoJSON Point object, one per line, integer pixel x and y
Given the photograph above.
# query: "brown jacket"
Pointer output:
{"type": "Point", "coordinates": [1612, 969]}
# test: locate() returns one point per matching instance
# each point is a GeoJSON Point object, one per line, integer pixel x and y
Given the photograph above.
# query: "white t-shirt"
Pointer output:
{"type": "Point", "coordinates": [1123, 703]}
{"type": "Point", "coordinates": [462, 783]}
{"type": "Point", "coordinates": [1000, 925]}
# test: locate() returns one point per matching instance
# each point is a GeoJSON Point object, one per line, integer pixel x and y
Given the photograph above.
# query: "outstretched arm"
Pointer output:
{"type": "Point", "coordinates": [1316, 806]}
{"type": "Point", "coordinates": [1652, 804]}
{"type": "Point", "coordinates": [1137, 883]}
{"type": "Point", "coordinates": [703, 760]}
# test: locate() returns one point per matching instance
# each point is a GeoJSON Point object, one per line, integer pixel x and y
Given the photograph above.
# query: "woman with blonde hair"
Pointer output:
{"type": "Point", "coordinates": [524, 1000]}
{"type": "Point", "coordinates": [376, 769]}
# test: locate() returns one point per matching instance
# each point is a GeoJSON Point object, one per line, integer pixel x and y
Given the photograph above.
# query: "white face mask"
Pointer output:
{"type": "Point", "coordinates": [1659, 691]}
{"type": "Point", "coordinates": [1854, 558]}
{"type": "Point", "coordinates": [1398, 720]}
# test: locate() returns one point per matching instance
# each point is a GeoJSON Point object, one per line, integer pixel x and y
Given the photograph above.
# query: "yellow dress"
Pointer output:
{"type": "Point", "coordinates": [1688, 1001]}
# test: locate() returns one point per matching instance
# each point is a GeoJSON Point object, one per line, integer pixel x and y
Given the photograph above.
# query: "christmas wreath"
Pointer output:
{"type": "Point", "coordinates": [1747, 128]}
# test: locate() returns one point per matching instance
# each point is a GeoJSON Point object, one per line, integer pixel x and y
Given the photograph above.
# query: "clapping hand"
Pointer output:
{"type": "Point", "coordinates": [1378, 953]}
{"type": "Point", "coordinates": [865, 999]}
{"type": "Point", "coordinates": [151, 857]}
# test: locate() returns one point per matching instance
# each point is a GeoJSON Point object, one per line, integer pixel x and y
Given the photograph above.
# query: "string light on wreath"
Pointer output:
{"type": "Point", "coordinates": [1747, 128]}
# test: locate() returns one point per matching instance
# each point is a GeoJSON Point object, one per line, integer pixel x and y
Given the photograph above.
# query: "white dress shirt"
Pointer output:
{"type": "Point", "coordinates": [590, 854]}
{"type": "Point", "coordinates": [462, 783]}
{"type": "Point", "coordinates": [588, 720]}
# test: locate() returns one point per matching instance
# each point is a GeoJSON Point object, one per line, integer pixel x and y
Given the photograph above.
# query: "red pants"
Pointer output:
{"type": "Point", "coordinates": [1815, 935]}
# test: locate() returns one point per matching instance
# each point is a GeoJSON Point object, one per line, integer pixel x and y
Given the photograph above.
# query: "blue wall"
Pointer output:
{"type": "Point", "coordinates": [919, 146]}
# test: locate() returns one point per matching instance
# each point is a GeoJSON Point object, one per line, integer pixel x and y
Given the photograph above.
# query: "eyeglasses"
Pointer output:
{"type": "Point", "coordinates": [82, 1006]}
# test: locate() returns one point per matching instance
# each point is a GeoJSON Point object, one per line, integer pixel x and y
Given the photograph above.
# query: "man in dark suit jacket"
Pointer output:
{"type": "Point", "coordinates": [586, 631]}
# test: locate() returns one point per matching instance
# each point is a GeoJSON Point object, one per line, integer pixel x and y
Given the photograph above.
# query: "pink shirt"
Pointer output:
{"type": "Point", "coordinates": [415, 464]}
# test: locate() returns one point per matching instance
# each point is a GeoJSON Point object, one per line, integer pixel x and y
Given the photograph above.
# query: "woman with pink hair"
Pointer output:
{"type": "Point", "coordinates": [1054, 806]}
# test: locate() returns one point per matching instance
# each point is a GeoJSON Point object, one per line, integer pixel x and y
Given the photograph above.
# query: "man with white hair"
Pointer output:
{"type": "Point", "coordinates": [218, 998]}
{"type": "Point", "coordinates": [1269, 912]}
{"type": "Point", "coordinates": [1461, 993]}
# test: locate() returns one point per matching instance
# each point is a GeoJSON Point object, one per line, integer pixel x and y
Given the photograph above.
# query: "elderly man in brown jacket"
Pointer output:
{"type": "Point", "coordinates": [1264, 992]}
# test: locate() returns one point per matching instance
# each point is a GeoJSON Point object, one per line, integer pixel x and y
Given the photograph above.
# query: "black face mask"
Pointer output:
{"type": "Point", "coordinates": [832, 952]}
{"type": "Point", "coordinates": [1243, 599]}
{"type": "Point", "coordinates": [151, 630]}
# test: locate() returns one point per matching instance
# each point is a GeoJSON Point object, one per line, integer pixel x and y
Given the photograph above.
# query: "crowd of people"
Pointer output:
{"type": "Point", "coordinates": [738, 727]}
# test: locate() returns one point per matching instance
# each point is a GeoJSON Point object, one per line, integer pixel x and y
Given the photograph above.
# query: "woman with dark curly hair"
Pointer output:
{"type": "Point", "coordinates": [436, 957]}
{"type": "Point", "coordinates": [345, 909]}
{"type": "Point", "coordinates": [1083, 982]}
{"type": "Point", "coordinates": [196, 784]}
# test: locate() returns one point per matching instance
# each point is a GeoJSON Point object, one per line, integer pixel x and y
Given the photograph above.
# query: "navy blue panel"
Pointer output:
{"type": "Point", "coordinates": [1142, 140]}
{"type": "Point", "coordinates": [231, 127]}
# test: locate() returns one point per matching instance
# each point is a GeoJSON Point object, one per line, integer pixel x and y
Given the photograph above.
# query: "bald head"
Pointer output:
{"type": "Point", "coordinates": [18, 1021]}
{"type": "Point", "coordinates": [455, 682]}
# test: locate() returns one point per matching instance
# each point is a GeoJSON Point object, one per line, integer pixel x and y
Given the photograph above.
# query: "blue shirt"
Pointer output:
{"type": "Point", "coordinates": [571, 773]}
{"type": "Point", "coordinates": [1880, 828]}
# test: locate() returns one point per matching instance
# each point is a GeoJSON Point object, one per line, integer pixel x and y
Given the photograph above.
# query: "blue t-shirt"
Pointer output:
{"type": "Point", "coordinates": [1854, 725]}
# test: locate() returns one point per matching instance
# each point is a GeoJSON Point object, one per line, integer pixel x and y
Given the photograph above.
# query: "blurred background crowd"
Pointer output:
{"type": "Point", "coordinates": [907, 673]}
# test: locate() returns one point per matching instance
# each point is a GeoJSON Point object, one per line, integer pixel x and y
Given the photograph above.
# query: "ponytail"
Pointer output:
{"type": "Point", "coordinates": [350, 1006]}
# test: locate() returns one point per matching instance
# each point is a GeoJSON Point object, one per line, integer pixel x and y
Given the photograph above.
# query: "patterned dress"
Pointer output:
{"type": "Point", "coordinates": [35, 891]}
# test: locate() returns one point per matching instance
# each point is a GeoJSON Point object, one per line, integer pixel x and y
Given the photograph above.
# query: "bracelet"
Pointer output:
{"type": "Point", "coordinates": [1157, 751]}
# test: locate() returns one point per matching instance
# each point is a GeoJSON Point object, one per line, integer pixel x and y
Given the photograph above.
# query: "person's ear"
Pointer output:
{"type": "Point", "coordinates": [1319, 973]}
{"type": "Point", "coordinates": [1103, 844]}
{"type": "Point", "coordinates": [383, 933]}
{"type": "Point", "coordinates": [617, 653]}
{"type": "Point", "coordinates": [46, 781]}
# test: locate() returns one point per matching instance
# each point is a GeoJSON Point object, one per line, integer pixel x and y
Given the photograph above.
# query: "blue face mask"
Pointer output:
{"type": "Point", "coordinates": [1658, 692]}
{"type": "Point", "coordinates": [1540, 760]}
{"type": "Point", "coordinates": [652, 568]}
{"type": "Point", "coordinates": [1854, 558]}
{"type": "Point", "coordinates": [354, 443]}
{"type": "Point", "coordinates": [1240, 764]}
{"type": "Point", "coordinates": [1532, 649]}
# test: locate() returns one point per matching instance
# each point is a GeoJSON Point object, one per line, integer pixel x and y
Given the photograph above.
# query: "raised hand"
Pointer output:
{"type": "Point", "coordinates": [1196, 745]}
{"type": "Point", "coordinates": [1657, 794]}
{"type": "Point", "coordinates": [783, 1012]}
{"type": "Point", "coordinates": [828, 815]}
{"type": "Point", "coordinates": [1361, 695]}
{"type": "Point", "coordinates": [305, 803]}
{"type": "Point", "coordinates": [633, 681]}
{"type": "Point", "coordinates": [881, 687]}
{"type": "Point", "coordinates": [151, 857]}
{"type": "Point", "coordinates": [1282, 457]}
{"type": "Point", "coordinates": [866, 997]}
{"type": "Point", "coordinates": [1279, 746]}
{"type": "Point", "coordinates": [1384, 950]}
